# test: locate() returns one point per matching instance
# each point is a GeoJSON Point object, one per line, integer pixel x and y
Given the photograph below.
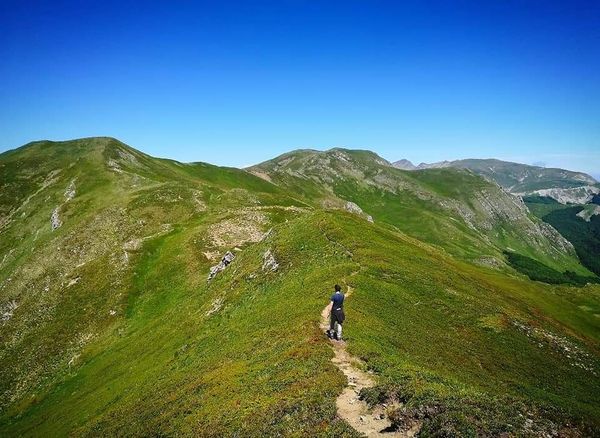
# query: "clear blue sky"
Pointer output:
{"type": "Point", "coordinates": [236, 83]}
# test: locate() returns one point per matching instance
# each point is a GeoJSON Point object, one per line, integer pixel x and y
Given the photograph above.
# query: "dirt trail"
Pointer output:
{"type": "Point", "coordinates": [370, 422]}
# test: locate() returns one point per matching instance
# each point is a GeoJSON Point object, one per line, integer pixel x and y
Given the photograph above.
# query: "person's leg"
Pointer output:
{"type": "Point", "coordinates": [339, 331]}
{"type": "Point", "coordinates": [331, 330]}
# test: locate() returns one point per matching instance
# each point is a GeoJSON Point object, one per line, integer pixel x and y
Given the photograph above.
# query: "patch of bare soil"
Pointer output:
{"type": "Point", "coordinates": [245, 227]}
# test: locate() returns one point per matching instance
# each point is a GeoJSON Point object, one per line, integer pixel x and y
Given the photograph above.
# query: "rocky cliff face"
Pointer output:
{"type": "Point", "coordinates": [575, 195]}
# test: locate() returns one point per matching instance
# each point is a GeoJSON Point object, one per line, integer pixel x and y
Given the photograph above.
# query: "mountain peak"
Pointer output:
{"type": "Point", "coordinates": [404, 164]}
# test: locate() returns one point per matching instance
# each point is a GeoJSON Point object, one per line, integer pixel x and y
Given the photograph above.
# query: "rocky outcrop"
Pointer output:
{"type": "Point", "coordinates": [7, 309]}
{"type": "Point", "coordinates": [355, 209]}
{"type": "Point", "coordinates": [55, 221]}
{"type": "Point", "coordinates": [215, 306]}
{"type": "Point", "coordinates": [269, 262]}
{"type": "Point", "coordinates": [589, 211]}
{"type": "Point", "coordinates": [70, 191]}
{"type": "Point", "coordinates": [69, 194]}
{"type": "Point", "coordinates": [225, 261]}
{"type": "Point", "coordinates": [576, 195]}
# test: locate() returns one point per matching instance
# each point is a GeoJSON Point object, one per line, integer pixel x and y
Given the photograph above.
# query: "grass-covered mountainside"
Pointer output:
{"type": "Point", "coordinates": [109, 326]}
{"type": "Point", "coordinates": [453, 209]}
{"type": "Point", "coordinates": [514, 177]}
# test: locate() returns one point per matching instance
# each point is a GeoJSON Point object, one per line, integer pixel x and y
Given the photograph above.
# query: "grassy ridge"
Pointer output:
{"type": "Point", "coordinates": [117, 331]}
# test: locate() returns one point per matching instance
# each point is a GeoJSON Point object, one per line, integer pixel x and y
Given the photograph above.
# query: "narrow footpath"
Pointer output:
{"type": "Point", "coordinates": [370, 422]}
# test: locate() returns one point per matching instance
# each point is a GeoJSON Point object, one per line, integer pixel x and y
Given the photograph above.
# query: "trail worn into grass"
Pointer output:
{"type": "Point", "coordinates": [370, 422]}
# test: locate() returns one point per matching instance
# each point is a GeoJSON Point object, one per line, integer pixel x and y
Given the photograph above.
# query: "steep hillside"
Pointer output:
{"type": "Point", "coordinates": [110, 327]}
{"type": "Point", "coordinates": [519, 178]}
{"type": "Point", "coordinates": [579, 223]}
{"type": "Point", "coordinates": [451, 208]}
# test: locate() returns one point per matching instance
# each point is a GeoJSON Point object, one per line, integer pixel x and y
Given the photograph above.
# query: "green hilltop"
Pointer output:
{"type": "Point", "coordinates": [110, 327]}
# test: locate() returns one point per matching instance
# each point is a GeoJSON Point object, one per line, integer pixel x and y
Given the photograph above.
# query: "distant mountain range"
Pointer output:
{"type": "Point", "coordinates": [513, 177]}
{"type": "Point", "coordinates": [564, 199]}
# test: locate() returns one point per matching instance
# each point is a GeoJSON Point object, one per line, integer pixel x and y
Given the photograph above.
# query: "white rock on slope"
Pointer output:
{"type": "Point", "coordinates": [269, 262]}
{"type": "Point", "coordinates": [225, 261]}
{"type": "Point", "coordinates": [55, 220]}
{"type": "Point", "coordinates": [589, 211]}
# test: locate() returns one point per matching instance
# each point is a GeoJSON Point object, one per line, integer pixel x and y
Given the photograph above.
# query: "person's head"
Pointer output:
{"type": "Point", "coordinates": [338, 288]}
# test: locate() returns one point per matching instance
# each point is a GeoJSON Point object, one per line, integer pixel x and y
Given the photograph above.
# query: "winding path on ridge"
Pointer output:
{"type": "Point", "coordinates": [370, 422]}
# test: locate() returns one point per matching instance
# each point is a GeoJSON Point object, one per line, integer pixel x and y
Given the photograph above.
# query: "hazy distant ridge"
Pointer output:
{"type": "Point", "coordinates": [514, 177]}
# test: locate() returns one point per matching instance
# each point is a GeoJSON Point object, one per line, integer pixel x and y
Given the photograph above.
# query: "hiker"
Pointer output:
{"type": "Point", "coordinates": [336, 313]}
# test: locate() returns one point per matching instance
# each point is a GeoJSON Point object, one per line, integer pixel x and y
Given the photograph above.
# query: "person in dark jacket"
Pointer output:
{"type": "Point", "coordinates": [336, 314]}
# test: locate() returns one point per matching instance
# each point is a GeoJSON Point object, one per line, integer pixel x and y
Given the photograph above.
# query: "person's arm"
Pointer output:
{"type": "Point", "coordinates": [327, 310]}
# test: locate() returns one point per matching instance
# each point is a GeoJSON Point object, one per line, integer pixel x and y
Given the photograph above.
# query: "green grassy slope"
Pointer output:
{"type": "Point", "coordinates": [448, 335]}
{"type": "Point", "coordinates": [117, 332]}
{"type": "Point", "coordinates": [62, 289]}
{"type": "Point", "coordinates": [452, 333]}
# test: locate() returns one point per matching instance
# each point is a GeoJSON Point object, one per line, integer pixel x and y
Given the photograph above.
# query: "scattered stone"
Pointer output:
{"type": "Point", "coordinates": [216, 306]}
{"type": "Point", "coordinates": [211, 255]}
{"type": "Point", "coordinates": [74, 281]}
{"type": "Point", "coordinates": [70, 191]}
{"type": "Point", "coordinates": [353, 208]}
{"type": "Point", "coordinates": [112, 312]}
{"type": "Point", "coordinates": [489, 261]}
{"type": "Point", "coordinates": [113, 165]}
{"type": "Point", "coordinates": [128, 157]}
{"type": "Point", "coordinates": [577, 356]}
{"type": "Point", "coordinates": [200, 205]}
{"type": "Point", "coordinates": [245, 227]}
{"type": "Point", "coordinates": [132, 245]}
{"type": "Point", "coordinates": [73, 359]}
{"type": "Point", "coordinates": [225, 261]}
{"type": "Point", "coordinates": [267, 234]}
{"type": "Point", "coordinates": [55, 220]}
{"type": "Point", "coordinates": [269, 262]}
{"type": "Point", "coordinates": [6, 311]}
